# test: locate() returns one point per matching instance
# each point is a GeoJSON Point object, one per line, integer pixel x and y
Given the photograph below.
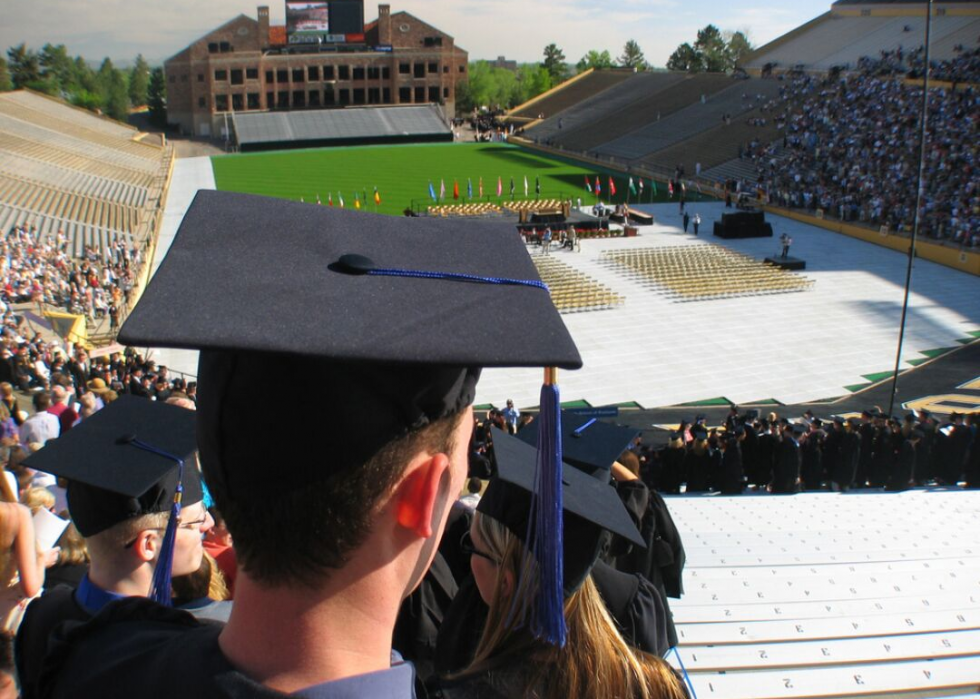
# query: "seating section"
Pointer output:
{"type": "Point", "coordinates": [572, 93]}
{"type": "Point", "coordinates": [481, 209]}
{"type": "Point", "coordinates": [842, 40]}
{"type": "Point", "coordinates": [704, 272]}
{"type": "Point", "coordinates": [737, 98]}
{"type": "Point", "coordinates": [644, 112]}
{"type": "Point", "coordinates": [577, 121]}
{"type": "Point", "coordinates": [536, 205]}
{"type": "Point", "coordinates": [63, 168]}
{"type": "Point", "coordinates": [571, 290]}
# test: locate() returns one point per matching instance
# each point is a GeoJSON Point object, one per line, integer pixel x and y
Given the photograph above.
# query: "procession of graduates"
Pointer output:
{"type": "Point", "coordinates": [777, 455]}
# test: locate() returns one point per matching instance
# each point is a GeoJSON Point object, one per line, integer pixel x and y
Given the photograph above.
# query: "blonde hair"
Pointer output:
{"type": "Point", "coordinates": [114, 539]}
{"type": "Point", "coordinates": [38, 499]}
{"type": "Point", "coordinates": [73, 551]}
{"type": "Point", "coordinates": [595, 663]}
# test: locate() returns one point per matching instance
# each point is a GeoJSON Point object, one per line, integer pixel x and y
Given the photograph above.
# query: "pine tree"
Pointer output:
{"type": "Point", "coordinates": [139, 82]}
{"type": "Point", "coordinates": [554, 63]}
{"type": "Point", "coordinates": [157, 98]}
{"type": "Point", "coordinates": [24, 66]}
{"type": "Point", "coordinates": [6, 84]}
{"type": "Point", "coordinates": [632, 56]}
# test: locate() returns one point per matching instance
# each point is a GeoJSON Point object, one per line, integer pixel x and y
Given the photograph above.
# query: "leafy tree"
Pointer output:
{"type": "Point", "coordinates": [86, 100]}
{"type": "Point", "coordinates": [554, 63]}
{"type": "Point", "coordinates": [156, 97]}
{"type": "Point", "coordinates": [711, 46]}
{"type": "Point", "coordinates": [57, 67]}
{"type": "Point", "coordinates": [532, 80]}
{"type": "Point", "coordinates": [632, 56]}
{"type": "Point", "coordinates": [113, 89]}
{"type": "Point", "coordinates": [139, 82]}
{"type": "Point", "coordinates": [713, 51]}
{"type": "Point", "coordinates": [594, 59]}
{"type": "Point", "coordinates": [6, 84]}
{"type": "Point", "coordinates": [685, 58]}
{"type": "Point", "coordinates": [739, 47]}
{"type": "Point", "coordinates": [25, 67]}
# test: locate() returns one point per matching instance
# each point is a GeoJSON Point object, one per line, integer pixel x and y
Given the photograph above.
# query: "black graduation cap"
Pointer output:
{"type": "Point", "coordinates": [800, 428]}
{"type": "Point", "coordinates": [110, 478]}
{"type": "Point", "coordinates": [270, 289]}
{"type": "Point", "coordinates": [587, 443]}
{"type": "Point", "coordinates": [699, 433]}
{"type": "Point", "coordinates": [591, 506]}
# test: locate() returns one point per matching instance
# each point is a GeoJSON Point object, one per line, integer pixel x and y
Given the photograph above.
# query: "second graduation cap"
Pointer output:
{"type": "Point", "coordinates": [110, 479]}
{"type": "Point", "coordinates": [591, 507]}
{"type": "Point", "coordinates": [587, 443]}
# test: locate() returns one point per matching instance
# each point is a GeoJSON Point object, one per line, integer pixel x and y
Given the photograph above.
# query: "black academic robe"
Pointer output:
{"type": "Point", "coordinates": [812, 466]}
{"type": "Point", "coordinates": [732, 475]}
{"type": "Point", "coordinates": [672, 473]}
{"type": "Point", "coordinates": [699, 468]}
{"type": "Point", "coordinates": [786, 474]}
{"type": "Point", "coordinates": [761, 475]}
{"type": "Point", "coordinates": [42, 617]}
{"type": "Point", "coordinates": [904, 469]}
{"type": "Point", "coordinates": [847, 460]}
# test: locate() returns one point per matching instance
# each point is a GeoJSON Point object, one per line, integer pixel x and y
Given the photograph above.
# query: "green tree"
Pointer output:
{"type": "Point", "coordinates": [156, 98]}
{"type": "Point", "coordinates": [685, 58]}
{"type": "Point", "coordinates": [594, 59]}
{"type": "Point", "coordinates": [711, 46]}
{"type": "Point", "coordinates": [139, 82]}
{"type": "Point", "coordinates": [554, 63]}
{"type": "Point", "coordinates": [739, 47]}
{"type": "Point", "coordinates": [25, 67]}
{"type": "Point", "coordinates": [532, 80]}
{"type": "Point", "coordinates": [57, 67]}
{"type": "Point", "coordinates": [6, 84]}
{"type": "Point", "coordinates": [112, 87]}
{"type": "Point", "coordinates": [632, 56]}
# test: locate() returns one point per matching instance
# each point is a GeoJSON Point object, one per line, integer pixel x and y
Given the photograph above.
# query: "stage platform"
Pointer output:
{"type": "Point", "coordinates": [830, 595]}
{"type": "Point", "coordinates": [793, 264]}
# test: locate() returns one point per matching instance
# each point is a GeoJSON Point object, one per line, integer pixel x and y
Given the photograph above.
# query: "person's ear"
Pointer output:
{"type": "Point", "coordinates": [507, 580]}
{"type": "Point", "coordinates": [418, 495]}
{"type": "Point", "coordinates": [147, 546]}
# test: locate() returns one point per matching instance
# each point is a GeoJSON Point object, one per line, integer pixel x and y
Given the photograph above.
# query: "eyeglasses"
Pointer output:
{"type": "Point", "coordinates": [467, 547]}
{"type": "Point", "coordinates": [180, 525]}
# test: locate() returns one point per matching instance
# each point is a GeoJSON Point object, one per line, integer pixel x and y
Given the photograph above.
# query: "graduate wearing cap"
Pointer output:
{"type": "Point", "coordinates": [786, 471]}
{"type": "Point", "coordinates": [123, 465]}
{"type": "Point", "coordinates": [510, 661]}
{"type": "Point", "coordinates": [392, 320]}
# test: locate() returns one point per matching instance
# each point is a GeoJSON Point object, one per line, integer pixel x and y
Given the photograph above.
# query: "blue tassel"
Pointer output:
{"type": "Point", "coordinates": [548, 614]}
{"type": "Point", "coordinates": [160, 590]}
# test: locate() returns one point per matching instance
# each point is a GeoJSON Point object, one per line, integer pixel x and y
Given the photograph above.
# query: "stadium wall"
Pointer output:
{"type": "Point", "coordinates": [961, 260]}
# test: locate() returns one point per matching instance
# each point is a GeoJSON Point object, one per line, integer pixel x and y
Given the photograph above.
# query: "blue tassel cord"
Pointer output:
{"type": "Point", "coordinates": [548, 614]}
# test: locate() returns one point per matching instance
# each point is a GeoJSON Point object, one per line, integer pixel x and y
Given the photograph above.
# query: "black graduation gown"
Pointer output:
{"type": "Point", "coordinates": [750, 450]}
{"type": "Point", "coordinates": [831, 451]}
{"type": "Point", "coordinates": [959, 446]}
{"type": "Point", "coordinates": [884, 458]}
{"type": "Point", "coordinates": [42, 617]}
{"type": "Point", "coordinates": [761, 475]}
{"type": "Point", "coordinates": [786, 474]}
{"type": "Point", "coordinates": [699, 469]}
{"type": "Point", "coordinates": [867, 431]}
{"type": "Point", "coordinates": [672, 473]}
{"type": "Point", "coordinates": [732, 475]}
{"type": "Point", "coordinates": [904, 469]}
{"type": "Point", "coordinates": [812, 466]}
{"type": "Point", "coordinates": [847, 461]}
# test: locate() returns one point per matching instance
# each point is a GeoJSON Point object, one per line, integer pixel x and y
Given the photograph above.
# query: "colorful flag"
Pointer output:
{"type": "Point", "coordinates": [442, 189]}
{"type": "Point", "coordinates": [641, 186]}
{"type": "Point", "coordinates": [653, 186]}
{"type": "Point", "coordinates": [588, 185]}
{"type": "Point", "coordinates": [330, 199]}
{"type": "Point", "coordinates": [612, 187]}
{"type": "Point", "coordinates": [319, 203]}
{"type": "Point", "coordinates": [670, 188]}
{"type": "Point", "coordinates": [481, 188]}
{"type": "Point", "coordinates": [598, 186]}
{"type": "Point", "coordinates": [537, 185]}
{"type": "Point", "coordinates": [455, 189]}
{"type": "Point", "coordinates": [469, 187]}
{"type": "Point", "coordinates": [500, 186]}
{"type": "Point", "coordinates": [377, 197]}
{"type": "Point", "coordinates": [302, 200]}
{"type": "Point", "coordinates": [432, 192]}
{"type": "Point", "coordinates": [340, 199]}
{"type": "Point", "coordinates": [512, 185]}
{"type": "Point", "coordinates": [357, 202]}
{"type": "Point", "coordinates": [525, 185]}
{"type": "Point", "coordinates": [632, 187]}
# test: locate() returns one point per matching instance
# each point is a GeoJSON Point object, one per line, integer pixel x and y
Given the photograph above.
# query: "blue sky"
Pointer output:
{"type": "Point", "coordinates": [517, 29]}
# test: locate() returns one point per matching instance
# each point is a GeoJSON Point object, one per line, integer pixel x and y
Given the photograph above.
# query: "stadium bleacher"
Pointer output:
{"type": "Point", "coordinates": [572, 93]}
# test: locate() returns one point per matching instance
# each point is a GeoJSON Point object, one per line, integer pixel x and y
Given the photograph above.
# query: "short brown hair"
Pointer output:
{"type": "Point", "coordinates": [312, 530]}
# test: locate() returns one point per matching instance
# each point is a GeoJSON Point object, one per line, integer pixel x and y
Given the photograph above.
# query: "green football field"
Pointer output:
{"type": "Point", "coordinates": [402, 175]}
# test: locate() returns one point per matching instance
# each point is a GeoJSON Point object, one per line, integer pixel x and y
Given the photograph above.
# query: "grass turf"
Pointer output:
{"type": "Point", "coordinates": [402, 175]}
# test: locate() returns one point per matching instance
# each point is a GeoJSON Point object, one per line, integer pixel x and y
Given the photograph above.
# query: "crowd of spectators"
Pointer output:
{"type": "Point", "coordinates": [39, 268]}
{"type": "Point", "coordinates": [850, 148]}
{"type": "Point", "coordinates": [488, 127]}
{"type": "Point", "coordinates": [962, 68]}
{"type": "Point", "coordinates": [776, 454]}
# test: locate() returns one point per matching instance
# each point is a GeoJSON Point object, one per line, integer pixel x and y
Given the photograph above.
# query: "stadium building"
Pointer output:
{"type": "Point", "coordinates": [325, 57]}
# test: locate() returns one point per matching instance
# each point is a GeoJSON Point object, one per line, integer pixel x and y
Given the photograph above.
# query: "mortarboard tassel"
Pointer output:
{"type": "Point", "coordinates": [548, 613]}
{"type": "Point", "coordinates": [160, 590]}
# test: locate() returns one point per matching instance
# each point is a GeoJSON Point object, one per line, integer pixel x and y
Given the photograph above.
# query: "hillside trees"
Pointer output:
{"type": "Point", "coordinates": [6, 84]}
{"type": "Point", "coordinates": [595, 59]}
{"type": "Point", "coordinates": [713, 51]}
{"type": "Point", "coordinates": [139, 82]}
{"type": "Point", "coordinates": [156, 98]}
{"type": "Point", "coordinates": [632, 56]}
{"type": "Point", "coordinates": [554, 63]}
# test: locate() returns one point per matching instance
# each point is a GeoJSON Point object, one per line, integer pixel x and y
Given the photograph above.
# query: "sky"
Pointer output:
{"type": "Point", "coordinates": [517, 29]}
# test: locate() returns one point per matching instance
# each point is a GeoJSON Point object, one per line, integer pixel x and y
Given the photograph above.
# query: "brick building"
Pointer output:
{"type": "Point", "coordinates": [246, 65]}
